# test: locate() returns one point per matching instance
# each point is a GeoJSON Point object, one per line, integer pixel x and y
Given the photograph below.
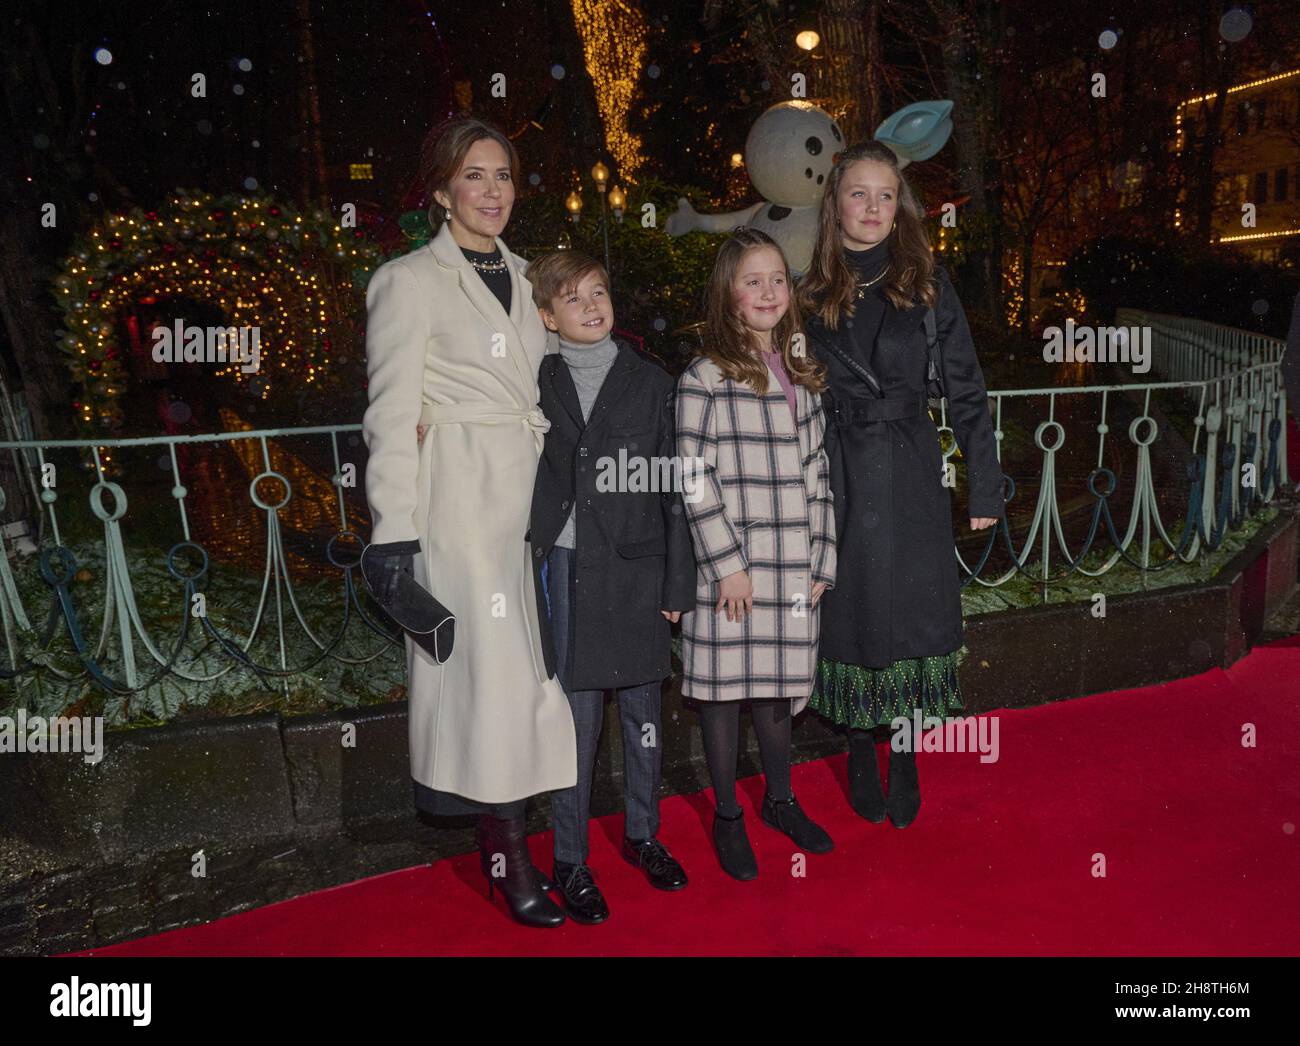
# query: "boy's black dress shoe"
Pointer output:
{"type": "Point", "coordinates": [904, 800]}
{"type": "Point", "coordinates": [732, 844]}
{"type": "Point", "coordinates": [653, 858]}
{"type": "Point", "coordinates": [582, 897]}
{"type": "Point", "coordinates": [788, 817]}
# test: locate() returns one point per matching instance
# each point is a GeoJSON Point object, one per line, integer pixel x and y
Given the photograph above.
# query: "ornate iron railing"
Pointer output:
{"type": "Point", "coordinates": [1237, 461]}
{"type": "Point", "coordinates": [1234, 462]}
{"type": "Point", "coordinates": [141, 658]}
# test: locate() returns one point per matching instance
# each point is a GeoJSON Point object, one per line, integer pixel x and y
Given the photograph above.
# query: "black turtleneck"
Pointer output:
{"type": "Point", "coordinates": [859, 331]}
{"type": "Point", "coordinates": [497, 282]}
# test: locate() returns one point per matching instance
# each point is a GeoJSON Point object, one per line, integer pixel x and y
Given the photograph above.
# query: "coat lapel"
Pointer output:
{"type": "Point", "coordinates": [803, 400]}
{"type": "Point", "coordinates": [521, 297]}
{"type": "Point", "coordinates": [448, 253]}
{"type": "Point", "coordinates": [615, 383]}
{"type": "Point", "coordinates": [897, 327]}
{"type": "Point", "coordinates": [782, 423]}
{"type": "Point", "coordinates": [825, 341]}
{"type": "Point", "coordinates": [555, 372]}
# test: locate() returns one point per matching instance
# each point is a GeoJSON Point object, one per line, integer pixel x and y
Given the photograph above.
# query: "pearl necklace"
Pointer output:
{"type": "Point", "coordinates": [499, 265]}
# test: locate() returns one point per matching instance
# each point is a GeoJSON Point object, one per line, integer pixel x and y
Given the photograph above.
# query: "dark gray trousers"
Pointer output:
{"type": "Point", "coordinates": [638, 709]}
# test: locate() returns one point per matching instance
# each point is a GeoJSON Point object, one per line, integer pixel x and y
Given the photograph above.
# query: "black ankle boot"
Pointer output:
{"type": "Point", "coordinates": [528, 903]}
{"type": "Point", "coordinates": [732, 844]}
{"type": "Point", "coordinates": [866, 795]}
{"type": "Point", "coordinates": [787, 816]}
{"type": "Point", "coordinates": [904, 800]}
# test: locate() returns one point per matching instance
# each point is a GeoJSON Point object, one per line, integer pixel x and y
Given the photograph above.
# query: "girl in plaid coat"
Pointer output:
{"type": "Point", "coordinates": [750, 426]}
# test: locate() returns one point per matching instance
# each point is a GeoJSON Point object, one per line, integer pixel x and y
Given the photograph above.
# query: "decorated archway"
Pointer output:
{"type": "Point", "coordinates": [255, 261]}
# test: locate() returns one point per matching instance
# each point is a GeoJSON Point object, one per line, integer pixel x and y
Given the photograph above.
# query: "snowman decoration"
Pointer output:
{"type": "Point", "coordinates": [789, 155]}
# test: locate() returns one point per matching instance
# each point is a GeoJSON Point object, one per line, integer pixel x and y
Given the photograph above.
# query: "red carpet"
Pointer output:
{"type": "Point", "coordinates": [1198, 835]}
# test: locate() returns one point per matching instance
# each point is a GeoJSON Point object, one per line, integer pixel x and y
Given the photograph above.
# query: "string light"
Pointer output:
{"type": "Point", "coordinates": [1179, 141]}
{"type": "Point", "coordinates": [613, 36]}
{"type": "Point", "coordinates": [1239, 87]}
{"type": "Point", "coordinates": [184, 250]}
{"type": "Point", "coordinates": [1015, 300]}
{"type": "Point", "coordinates": [1258, 236]}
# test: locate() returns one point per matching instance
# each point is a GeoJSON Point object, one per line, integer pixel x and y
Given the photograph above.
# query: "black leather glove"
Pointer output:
{"type": "Point", "coordinates": [391, 559]}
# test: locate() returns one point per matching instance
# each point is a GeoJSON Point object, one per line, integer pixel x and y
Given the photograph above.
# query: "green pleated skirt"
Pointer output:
{"type": "Point", "coordinates": [863, 698]}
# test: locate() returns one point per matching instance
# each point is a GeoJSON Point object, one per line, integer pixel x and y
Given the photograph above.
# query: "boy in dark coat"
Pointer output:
{"type": "Point", "coordinates": [609, 525]}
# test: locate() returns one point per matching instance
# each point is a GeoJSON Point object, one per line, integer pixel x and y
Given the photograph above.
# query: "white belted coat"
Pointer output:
{"type": "Point", "coordinates": [490, 724]}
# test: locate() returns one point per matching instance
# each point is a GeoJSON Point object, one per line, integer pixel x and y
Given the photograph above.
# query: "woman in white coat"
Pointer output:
{"type": "Point", "coordinates": [453, 346]}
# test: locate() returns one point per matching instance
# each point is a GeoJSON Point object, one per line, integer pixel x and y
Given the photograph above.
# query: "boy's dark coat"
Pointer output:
{"type": "Point", "coordinates": [634, 555]}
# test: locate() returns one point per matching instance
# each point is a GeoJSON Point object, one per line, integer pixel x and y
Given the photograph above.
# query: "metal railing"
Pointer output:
{"type": "Point", "coordinates": [1234, 463]}
{"type": "Point", "coordinates": [1236, 460]}
{"type": "Point", "coordinates": [142, 657]}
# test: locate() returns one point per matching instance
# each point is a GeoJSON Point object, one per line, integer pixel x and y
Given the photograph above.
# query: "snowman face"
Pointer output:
{"type": "Point", "coordinates": [790, 152]}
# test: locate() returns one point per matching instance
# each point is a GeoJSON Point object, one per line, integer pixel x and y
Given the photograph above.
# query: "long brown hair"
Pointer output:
{"type": "Point", "coordinates": [828, 286]}
{"type": "Point", "coordinates": [444, 151]}
{"type": "Point", "coordinates": [730, 344]}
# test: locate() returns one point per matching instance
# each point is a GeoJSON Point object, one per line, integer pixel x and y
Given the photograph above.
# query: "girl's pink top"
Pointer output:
{"type": "Point", "coordinates": [778, 365]}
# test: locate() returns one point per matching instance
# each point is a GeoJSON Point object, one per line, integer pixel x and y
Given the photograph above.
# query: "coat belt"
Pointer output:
{"type": "Point", "coordinates": [485, 414]}
{"type": "Point", "coordinates": [844, 411]}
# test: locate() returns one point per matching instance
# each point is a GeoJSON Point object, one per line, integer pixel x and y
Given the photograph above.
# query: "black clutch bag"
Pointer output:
{"type": "Point", "coordinates": [410, 604]}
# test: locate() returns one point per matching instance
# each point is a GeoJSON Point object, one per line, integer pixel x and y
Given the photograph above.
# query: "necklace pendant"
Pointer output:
{"type": "Point", "coordinates": [863, 284]}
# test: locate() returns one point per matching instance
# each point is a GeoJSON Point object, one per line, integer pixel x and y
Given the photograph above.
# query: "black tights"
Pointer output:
{"type": "Point", "coordinates": [720, 724]}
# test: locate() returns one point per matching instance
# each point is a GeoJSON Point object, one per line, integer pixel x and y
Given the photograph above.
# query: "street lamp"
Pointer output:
{"type": "Point", "coordinates": [600, 175]}
{"type": "Point", "coordinates": [616, 197]}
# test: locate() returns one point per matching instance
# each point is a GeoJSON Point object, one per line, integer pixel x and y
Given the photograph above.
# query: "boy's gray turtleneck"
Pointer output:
{"type": "Point", "coordinates": [588, 366]}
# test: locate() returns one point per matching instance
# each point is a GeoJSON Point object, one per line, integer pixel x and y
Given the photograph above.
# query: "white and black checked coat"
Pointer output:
{"type": "Point", "coordinates": [762, 504]}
